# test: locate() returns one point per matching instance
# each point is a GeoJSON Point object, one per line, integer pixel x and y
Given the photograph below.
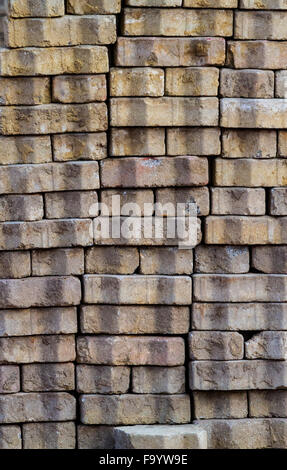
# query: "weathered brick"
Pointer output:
{"type": "Point", "coordinates": [38, 321]}
{"type": "Point", "coordinates": [166, 111]}
{"type": "Point", "coordinates": [54, 118]}
{"type": "Point", "coordinates": [247, 83]}
{"type": "Point", "coordinates": [135, 141]}
{"type": "Point", "coordinates": [271, 404]}
{"type": "Point", "coordinates": [23, 8]}
{"type": "Point", "coordinates": [278, 201]}
{"type": "Point", "coordinates": [158, 380]}
{"type": "Point", "coordinates": [72, 204]}
{"type": "Point", "coordinates": [154, 3]}
{"type": "Point", "coordinates": [192, 81]}
{"type": "Point", "coordinates": [62, 31]}
{"type": "Point", "coordinates": [166, 261]}
{"type": "Point", "coordinates": [79, 89]}
{"type": "Point", "coordinates": [134, 409]}
{"type": "Point", "coordinates": [237, 201]}
{"type": "Point", "coordinates": [20, 207]}
{"type": "Point", "coordinates": [88, 7]}
{"type": "Point", "coordinates": [136, 82]}
{"type": "Point", "coordinates": [216, 345]}
{"type": "Point", "coordinates": [224, 405]}
{"type": "Point", "coordinates": [257, 55]}
{"type": "Point", "coordinates": [57, 262]}
{"type": "Point", "coordinates": [79, 146]}
{"type": "Point", "coordinates": [149, 172]}
{"type": "Point", "coordinates": [267, 345]}
{"type": "Point", "coordinates": [9, 379]}
{"type": "Point", "coordinates": [264, 4]}
{"type": "Point", "coordinates": [260, 25]}
{"type": "Point", "coordinates": [134, 319]}
{"type": "Point", "coordinates": [24, 91]}
{"type": "Point", "coordinates": [95, 437]}
{"type": "Point", "coordinates": [113, 289]}
{"type": "Point", "coordinates": [270, 259]}
{"type": "Point", "coordinates": [243, 143]}
{"type": "Point", "coordinates": [49, 436]}
{"type": "Point", "coordinates": [111, 260]}
{"type": "Point", "coordinates": [170, 52]}
{"type": "Point", "coordinates": [282, 143]}
{"type": "Point", "coordinates": [217, 259]}
{"type": "Point", "coordinates": [281, 84]}
{"type": "Point", "coordinates": [25, 150]}
{"type": "Point", "coordinates": [177, 22]}
{"type": "Point", "coordinates": [14, 264]}
{"type": "Point", "coordinates": [10, 437]}
{"type": "Point", "coordinates": [198, 196]}
{"type": "Point", "coordinates": [103, 379]}
{"type": "Point", "coordinates": [48, 377]}
{"type": "Point", "coordinates": [196, 141]}
{"type": "Point", "coordinates": [210, 3]}
{"type": "Point", "coordinates": [144, 200]}
{"type": "Point", "coordinates": [269, 114]}
{"type": "Point", "coordinates": [130, 350]}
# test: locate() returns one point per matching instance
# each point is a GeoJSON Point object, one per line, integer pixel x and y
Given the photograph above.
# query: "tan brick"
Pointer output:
{"type": "Point", "coordinates": [15, 264]}
{"type": "Point", "coordinates": [267, 345]}
{"type": "Point", "coordinates": [269, 114]}
{"type": "Point", "coordinates": [144, 199]}
{"type": "Point", "coordinates": [270, 259]}
{"type": "Point", "coordinates": [136, 82]}
{"type": "Point", "coordinates": [224, 405]}
{"type": "Point", "coordinates": [210, 3]}
{"type": "Point", "coordinates": [149, 172]}
{"type": "Point", "coordinates": [249, 172]}
{"type": "Point", "coordinates": [135, 141]}
{"type": "Point", "coordinates": [79, 146]}
{"type": "Point", "coordinates": [49, 436]}
{"type": "Point", "coordinates": [59, 262]}
{"type": "Point", "coordinates": [264, 4]}
{"type": "Point", "coordinates": [95, 437]}
{"type": "Point", "coordinates": [10, 437]}
{"type": "Point", "coordinates": [238, 201]}
{"type": "Point", "coordinates": [72, 204]}
{"type": "Point", "coordinates": [217, 259]}
{"type": "Point", "coordinates": [79, 89]}
{"type": "Point", "coordinates": [260, 25]}
{"type": "Point", "coordinates": [103, 379]}
{"type": "Point", "coordinates": [166, 111]}
{"type": "Point", "coordinates": [282, 144]}
{"type": "Point", "coordinates": [20, 207]}
{"type": "Point", "coordinates": [196, 141]}
{"type": "Point", "coordinates": [23, 8]}
{"type": "Point", "coordinates": [154, 3]}
{"type": "Point", "coordinates": [24, 91]}
{"type": "Point", "coordinates": [257, 55]}
{"type": "Point", "coordinates": [281, 84]}
{"type": "Point", "coordinates": [25, 150]}
{"type": "Point", "coordinates": [278, 201]}
{"type": "Point", "coordinates": [134, 319]}
{"type": "Point", "coordinates": [111, 260]}
{"type": "Point", "coordinates": [170, 52]}
{"type": "Point", "coordinates": [268, 404]}
{"type": "Point", "coordinates": [31, 349]}
{"type": "Point", "coordinates": [53, 118]}
{"type": "Point", "coordinates": [134, 409]}
{"type": "Point", "coordinates": [158, 380]}
{"type": "Point", "coordinates": [9, 379]}
{"type": "Point", "coordinates": [38, 321]}
{"type": "Point", "coordinates": [54, 61]}
{"type": "Point", "coordinates": [192, 81]}
{"type": "Point", "coordinates": [249, 143]}
{"type": "Point", "coordinates": [48, 377]}
{"type": "Point", "coordinates": [246, 83]}
{"type": "Point", "coordinates": [88, 7]}
{"type": "Point", "coordinates": [199, 196]}
{"type": "Point", "coordinates": [130, 350]}
{"type": "Point", "coordinates": [216, 345]}
{"type": "Point", "coordinates": [166, 261]}
{"type": "Point", "coordinates": [62, 31]}
{"type": "Point", "coordinates": [137, 289]}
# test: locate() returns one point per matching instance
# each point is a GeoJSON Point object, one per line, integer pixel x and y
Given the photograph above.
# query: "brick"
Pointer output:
{"type": "Point", "coordinates": [54, 61]}
{"type": "Point", "coordinates": [144, 200]}
{"type": "Point", "coordinates": [240, 230]}
{"type": "Point", "coordinates": [129, 350]}
{"type": "Point", "coordinates": [134, 409]}
{"type": "Point", "coordinates": [62, 31]}
{"type": "Point", "coordinates": [271, 404]}
{"type": "Point", "coordinates": [134, 319]}
{"type": "Point", "coordinates": [135, 141]}
{"type": "Point", "coordinates": [53, 118]}
{"type": "Point", "coordinates": [136, 82]}
{"type": "Point", "coordinates": [192, 81]}
{"type": "Point", "coordinates": [239, 288]}
{"type": "Point", "coordinates": [103, 379]}
{"type": "Point", "coordinates": [154, 3]}
{"type": "Point", "coordinates": [257, 55]}
{"type": "Point", "coordinates": [196, 141]}
{"type": "Point", "coordinates": [243, 143]}
{"type": "Point", "coordinates": [165, 197]}
{"type": "Point", "coordinates": [49, 436]}
{"type": "Point", "coordinates": [166, 261]}
{"type": "Point", "coordinates": [25, 150]}
{"type": "Point", "coordinates": [24, 91]}
{"type": "Point", "coordinates": [9, 380]}
{"type": "Point", "coordinates": [20, 207]}
{"type": "Point", "coordinates": [247, 83]}
{"type": "Point", "coordinates": [225, 259]}
{"type": "Point", "coordinates": [111, 260]}
{"type": "Point", "coordinates": [237, 375]}
{"type": "Point", "coordinates": [224, 405]}
{"type": "Point", "coordinates": [72, 204]}
{"type": "Point", "coordinates": [216, 345]}
{"type": "Point", "coordinates": [148, 290]}
{"type": "Point", "coordinates": [61, 262]}
{"type": "Point", "coordinates": [166, 111]}
{"type": "Point", "coordinates": [237, 201]}
{"type": "Point", "coordinates": [88, 7]}
{"type": "Point", "coordinates": [23, 8]}
{"type": "Point", "coordinates": [267, 345]}
{"type": "Point", "coordinates": [170, 52]}
{"type": "Point", "coordinates": [79, 89]}
{"type": "Point", "coordinates": [282, 144]}
{"type": "Point", "coordinates": [210, 3]}
{"type": "Point", "coordinates": [169, 380]}
{"type": "Point", "coordinates": [79, 146]}
{"type": "Point", "coordinates": [269, 114]}
{"type": "Point", "coordinates": [239, 316]}
{"type": "Point", "coordinates": [270, 259]}
{"type": "Point", "coordinates": [10, 437]}
{"type": "Point", "coordinates": [48, 377]}
{"type": "Point", "coordinates": [179, 22]}
{"type": "Point", "coordinates": [149, 172]}
{"type": "Point", "coordinates": [259, 25]}
{"type": "Point", "coordinates": [38, 321]}
{"type": "Point", "coordinates": [95, 437]}
{"type": "Point", "coordinates": [14, 265]}
{"type": "Point", "coordinates": [264, 4]}
{"type": "Point", "coordinates": [29, 407]}
{"type": "Point", "coordinates": [278, 201]}
{"type": "Point", "coordinates": [281, 84]}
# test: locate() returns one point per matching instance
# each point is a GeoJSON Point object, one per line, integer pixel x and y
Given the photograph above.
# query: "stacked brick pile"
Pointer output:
{"type": "Point", "coordinates": [160, 101]}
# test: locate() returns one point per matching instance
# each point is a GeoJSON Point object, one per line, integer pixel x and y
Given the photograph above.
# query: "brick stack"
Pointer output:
{"type": "Point", "coordinates": [100, 333]}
